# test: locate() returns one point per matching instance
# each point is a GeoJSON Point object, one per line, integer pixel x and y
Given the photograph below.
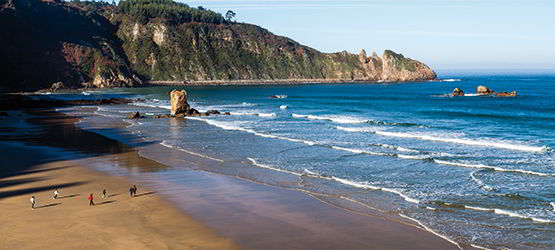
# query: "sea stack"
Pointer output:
{"type": "Point", "coordinates": [178, 98]}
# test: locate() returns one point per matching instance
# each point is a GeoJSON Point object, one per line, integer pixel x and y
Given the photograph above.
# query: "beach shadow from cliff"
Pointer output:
{"type": "Point", "coordinates": [25, 191]}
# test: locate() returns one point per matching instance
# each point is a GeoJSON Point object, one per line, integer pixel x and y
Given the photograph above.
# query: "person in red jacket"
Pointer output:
{"type": "Point", "coordinates": [91, 203]}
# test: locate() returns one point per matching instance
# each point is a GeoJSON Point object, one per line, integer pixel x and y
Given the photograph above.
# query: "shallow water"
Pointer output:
{"type": "Point", "coordinates": [479, 170]}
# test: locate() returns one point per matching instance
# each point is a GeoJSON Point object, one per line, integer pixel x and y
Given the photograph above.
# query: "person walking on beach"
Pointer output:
{"type": "Point", "coordinates": [56, 193]}
{"type": "Point", "coordinates": [104, 193]}
{"type": "Point", "coordinates": [134, 190]}
{"type": "Point", "coordinates": [33, 200]}
{"type": "Point", "coordinates": [91, 203]}
{"type": "Point", "coordinates": [131, 191]}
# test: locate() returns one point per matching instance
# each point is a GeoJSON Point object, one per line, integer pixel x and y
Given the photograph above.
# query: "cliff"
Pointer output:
{"type": "Point", "coordinates": [100, 45]}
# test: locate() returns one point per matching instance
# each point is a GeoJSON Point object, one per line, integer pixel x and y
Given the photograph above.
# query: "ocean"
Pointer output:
{"type": "Point", "coordinates": [476, 170]}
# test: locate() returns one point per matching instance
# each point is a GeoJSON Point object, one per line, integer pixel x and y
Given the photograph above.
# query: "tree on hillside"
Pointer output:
{"type": "Point", "coordinates": [230, 15]}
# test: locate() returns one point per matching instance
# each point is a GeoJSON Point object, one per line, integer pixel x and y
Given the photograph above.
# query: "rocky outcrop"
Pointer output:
{"type": "Point", "coordinates": [135, 115]}
{"type": "Point", "coordinates": [178, 99]}
{"type": "Point", "coordinates": [393, 67]}
{"type": "Point", "coordinates": [458, 92]}
{"type": "Point", "coordinates": [483, 90]}
{"type": "Point", "coordinates": [507, 94]}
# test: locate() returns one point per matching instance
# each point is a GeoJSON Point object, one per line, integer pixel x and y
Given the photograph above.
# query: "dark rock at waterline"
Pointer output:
{"type": "Point", "coordinates": [213, 112]}
{"type": "Point", "coordinates": [135, 115]}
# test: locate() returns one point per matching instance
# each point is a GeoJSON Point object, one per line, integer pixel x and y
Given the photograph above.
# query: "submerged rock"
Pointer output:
{"type": "Point", "coordinates": [458, 92]}
{"type": "Point", "coordinates": [178, 99]}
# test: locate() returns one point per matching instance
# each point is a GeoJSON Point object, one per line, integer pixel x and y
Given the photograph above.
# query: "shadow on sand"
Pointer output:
{"type": "Point", "coordinates": [143, 194]}
{"type": "Point", "coordinates": [105, 202]}
{"type": "Point", "coordinates": [49, 205]}
{"type": "Point", "coordinates": [67, 196]}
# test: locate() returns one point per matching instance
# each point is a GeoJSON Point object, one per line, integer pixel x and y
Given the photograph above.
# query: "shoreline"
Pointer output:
{"type": "Point", "coordinates": [270, 82]}
{"type": "Point", "coordinates": [249, 211]}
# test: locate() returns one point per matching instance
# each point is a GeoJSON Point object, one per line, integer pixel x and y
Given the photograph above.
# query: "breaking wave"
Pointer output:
{"type": "Point", "coordinates": [333, 118]}
{"type": "Point", "coordinates": [481, 143]}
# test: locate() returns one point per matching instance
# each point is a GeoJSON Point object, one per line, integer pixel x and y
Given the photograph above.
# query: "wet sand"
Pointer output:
{"type": "Point", "coordinates": [254, 216]}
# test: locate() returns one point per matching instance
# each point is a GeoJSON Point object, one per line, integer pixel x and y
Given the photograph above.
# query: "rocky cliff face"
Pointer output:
{"type": "Point", "coordinates": [47, 41]}
{"type": "Point", "coordinates": [98, 45]}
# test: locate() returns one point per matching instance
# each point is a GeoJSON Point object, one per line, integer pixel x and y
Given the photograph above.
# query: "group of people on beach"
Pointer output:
{"type": "Point", "coordinates": [132, 193]}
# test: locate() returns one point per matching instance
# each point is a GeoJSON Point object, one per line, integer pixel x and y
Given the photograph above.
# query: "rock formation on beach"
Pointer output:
{"type": "Point", "coordinates": [95, 44]}
{"type": "Point", "coordinates": [179, 102]}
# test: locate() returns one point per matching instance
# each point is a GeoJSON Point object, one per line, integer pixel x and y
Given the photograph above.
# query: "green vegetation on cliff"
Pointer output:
{"type": "Point", "coordinates": [144, 10]}
{"type": "Point", "coordinates": [96, 44]}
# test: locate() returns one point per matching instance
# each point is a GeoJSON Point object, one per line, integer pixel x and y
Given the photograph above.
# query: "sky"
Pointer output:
{"type": "Point", "coordinates": [447, 34]}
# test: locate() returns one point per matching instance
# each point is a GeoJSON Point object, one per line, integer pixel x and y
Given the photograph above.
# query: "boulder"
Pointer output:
{"type": "Point", "coordinates": [193, 112]}
{"type": "Point", "coordinates": [213, 112]}
{"type": "Point", "coordinates": [227, 113]}
{"type": "Point", "coordinates": [458, 92]}
{"type": "Point", "coordinates": [57, 86]}
{"type": "Point", "coordinates": [507, 94]}
{"type": "Point", "coordinates": [135, 115]}
{"type": "Point", "coordinates": [179, 102]}
{"type": "Point", "coordinates": [483, 90]}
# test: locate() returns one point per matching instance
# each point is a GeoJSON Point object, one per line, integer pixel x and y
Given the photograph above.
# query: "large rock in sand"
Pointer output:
{"type": "Point", "coordinates": [179, 102]}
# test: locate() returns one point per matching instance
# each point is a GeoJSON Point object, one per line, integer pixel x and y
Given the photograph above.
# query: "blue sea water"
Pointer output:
{"type": "Point", "coordinates": [478, 170]}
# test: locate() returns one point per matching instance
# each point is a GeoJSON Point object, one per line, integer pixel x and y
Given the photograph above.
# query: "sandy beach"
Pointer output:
{"type": "Point", "coordinates": [68, 222]}
{"type": "Point", "coordinates": [207, 211]}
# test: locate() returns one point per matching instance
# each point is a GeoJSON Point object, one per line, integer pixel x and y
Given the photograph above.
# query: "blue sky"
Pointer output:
{"type": "Point", "coordinates": [448, 34]}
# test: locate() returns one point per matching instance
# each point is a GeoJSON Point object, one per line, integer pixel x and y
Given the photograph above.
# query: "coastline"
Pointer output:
{"type": "Point", "coordinates": [270, 82]}
{"type": "Point", "coordinates": [260, 216]}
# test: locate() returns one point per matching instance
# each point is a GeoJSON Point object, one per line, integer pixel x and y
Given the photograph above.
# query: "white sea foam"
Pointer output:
{"type": "Point", "coordinates": [451, 80]}
{"type": "Point", "coordinates": [553, 205]}
{"type": "Point", "coordinates": [152, 105]}
{"type": "Point", "coordinates": [413, 157]}
{"type": "Point", "coordinates": [254, 162]}
{"type": "Point", "coordinates": [430, 230]}
{"type": "Point", "coordinates": [480, 247]}
{"type": "Point", "coordinates": [333, 118]}
{"type": "Point", "coordinates": [363, 185]}
{"type": "Point", "coordinates": [231, 126]}
{"type": "Point", "coordinates": [510, 213]}
{"type": "Point", "coordinates": [470, 94]}
{"type": "Point", "coordinates": [366, 129]}
{"type": "Point", "coordinates": [466, 165]}
{"type": "Point", "coordinates": [279, 96]}
{"type": "Point", "coordinates": [165, 144]}
{"type": "Point", "coordinates": [266, 114]}
{"type": "Point", "coordinates": [480, 183]}
{"type": "Point", "coordinates": [283, 107]}
{"type": "Point", "coordinates": [85, 93]}
{"type": "Point", "coordinates": [481, 143]}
